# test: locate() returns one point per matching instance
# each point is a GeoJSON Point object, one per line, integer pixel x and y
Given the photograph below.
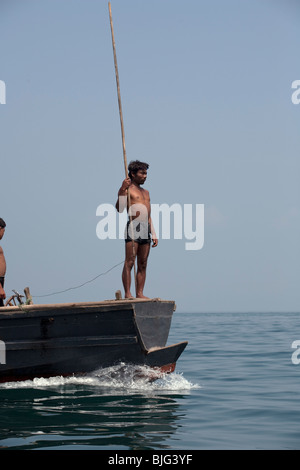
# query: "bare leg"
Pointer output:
{"type": "Point", "coordinates": [129, 261]}
{"type": "Point", "coordinates": [142, 258]}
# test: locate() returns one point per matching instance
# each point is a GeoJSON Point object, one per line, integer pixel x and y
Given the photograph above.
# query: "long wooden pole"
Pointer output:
{"type": "Point", "coordinates": [122, 127]}
{"type": "Point", "coordinates": [118, 89]}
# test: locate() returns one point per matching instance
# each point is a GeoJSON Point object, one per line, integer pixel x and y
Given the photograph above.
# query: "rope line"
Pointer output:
{"type": "Point", "coordinates": [80, 285]}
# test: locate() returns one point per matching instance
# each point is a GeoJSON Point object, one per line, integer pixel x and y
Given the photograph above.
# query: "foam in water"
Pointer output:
{"type": "Point", "coordinates": [122, 377]}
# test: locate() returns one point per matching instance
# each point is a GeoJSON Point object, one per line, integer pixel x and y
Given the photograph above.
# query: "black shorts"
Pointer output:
{"type": "Point", "coordinates": [2, 284]}
{"type": "Point", "coordinates": [138, 239]}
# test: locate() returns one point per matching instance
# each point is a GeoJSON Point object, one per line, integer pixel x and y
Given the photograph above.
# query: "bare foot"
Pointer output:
{"type": "Point", "coordinates": [129, 296]}
{"type": "Point", "coordinates": [141, 296]}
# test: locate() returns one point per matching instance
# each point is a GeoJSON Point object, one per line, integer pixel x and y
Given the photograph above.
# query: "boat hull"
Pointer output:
{"type": "Point", "coordinates": [78, 338]}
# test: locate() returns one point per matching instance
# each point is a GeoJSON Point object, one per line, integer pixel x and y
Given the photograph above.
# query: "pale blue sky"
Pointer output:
{"type": "Point", "coordinates": [206, 94]}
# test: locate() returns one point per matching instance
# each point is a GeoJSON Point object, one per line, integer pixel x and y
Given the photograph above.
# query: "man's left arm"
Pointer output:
{"type": "Point", "coordinates": [153, 234]}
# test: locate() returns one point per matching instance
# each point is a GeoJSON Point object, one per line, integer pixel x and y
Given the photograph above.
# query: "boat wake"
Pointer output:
{"type": "Point", "coordinates": [123, 378]}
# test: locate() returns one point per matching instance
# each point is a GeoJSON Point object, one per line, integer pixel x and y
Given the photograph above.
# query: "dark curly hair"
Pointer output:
{"type": "Point", "coordinates": [135, 166]}
{"type": "Point", "coordinates": [2, 223]}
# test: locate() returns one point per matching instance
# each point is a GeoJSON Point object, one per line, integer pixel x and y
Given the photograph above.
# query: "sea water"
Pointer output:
{"type": "Point", "coordinates": [236, 386]}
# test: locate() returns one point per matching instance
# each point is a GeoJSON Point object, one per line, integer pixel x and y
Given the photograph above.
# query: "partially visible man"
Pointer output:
{"type": "Point", "coordinates": [2, 264]}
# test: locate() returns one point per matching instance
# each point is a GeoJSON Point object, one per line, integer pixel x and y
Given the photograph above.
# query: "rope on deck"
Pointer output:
{"type": "Point", "coordinates": [80, 285]}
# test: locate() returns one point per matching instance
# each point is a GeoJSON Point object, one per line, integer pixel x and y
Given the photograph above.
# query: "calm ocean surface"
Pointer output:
{"type": "Point", "coordinates": [235, 387]}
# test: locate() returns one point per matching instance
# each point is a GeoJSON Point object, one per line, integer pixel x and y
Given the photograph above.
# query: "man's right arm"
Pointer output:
{"type": "Point", "coordinates": [2, 293]}
{"type": "Point", "coordinates": [2, 263]}
{"type": "Point", "coordinates": [122, 193]}
{"type": "Point", "coordinates": [2, 273]}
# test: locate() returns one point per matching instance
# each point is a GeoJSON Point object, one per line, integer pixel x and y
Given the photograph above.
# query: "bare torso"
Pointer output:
{"type": "Point", "coordinates": [2, 263]}
{"type": "Point", "coordinates": [141, 196]}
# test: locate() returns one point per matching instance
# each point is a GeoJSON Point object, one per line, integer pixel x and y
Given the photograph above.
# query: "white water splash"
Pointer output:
{"type": "Point", "coordinates": [122, 378]}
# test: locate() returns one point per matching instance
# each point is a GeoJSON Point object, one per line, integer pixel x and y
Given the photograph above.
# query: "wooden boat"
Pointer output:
{"type": "Point", "coordinates": [48, 340]}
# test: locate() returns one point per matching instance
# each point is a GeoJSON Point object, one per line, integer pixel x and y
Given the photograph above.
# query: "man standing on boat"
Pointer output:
{"type": "Point", "coordinates": [2, 264]}
{"type": "Point", "coordinates": [139, 229]}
